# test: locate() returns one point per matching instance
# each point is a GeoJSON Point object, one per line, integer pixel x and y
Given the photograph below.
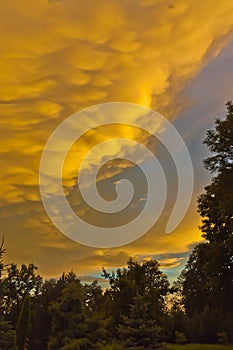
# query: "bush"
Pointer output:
{"type": "Point", "coordinates": [222, 337]}
{"type": "Point", "coordinates": [180, 338]}
{"type": "Point", "coordinates": [113, 346]}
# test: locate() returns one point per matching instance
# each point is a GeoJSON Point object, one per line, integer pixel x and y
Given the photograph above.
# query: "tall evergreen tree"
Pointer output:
{"type": "Point", "coordinates": [138, 331]}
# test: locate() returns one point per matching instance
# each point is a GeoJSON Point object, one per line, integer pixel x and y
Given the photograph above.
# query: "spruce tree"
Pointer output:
{"type": "Point", "coordinates": [138, 331]}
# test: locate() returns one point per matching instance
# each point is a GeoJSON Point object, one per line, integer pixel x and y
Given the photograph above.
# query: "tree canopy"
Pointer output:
{"type": "Point", "coordinates": [208, 276]}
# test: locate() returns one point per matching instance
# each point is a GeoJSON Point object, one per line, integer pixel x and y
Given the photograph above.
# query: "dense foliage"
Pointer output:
{"type": "Point", "coordinates": [207, 284]}
{"type": "Point", "coordinates": [139, 310]}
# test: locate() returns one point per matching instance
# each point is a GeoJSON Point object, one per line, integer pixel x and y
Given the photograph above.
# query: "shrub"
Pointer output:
{"type": "Point", "coordinates": [222, 337]}
{"type": "Point", "coordinates": [180, 338]}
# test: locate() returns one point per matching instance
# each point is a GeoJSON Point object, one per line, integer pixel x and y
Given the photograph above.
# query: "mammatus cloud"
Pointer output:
{"type": "Point", "coordinates": [59, 57]}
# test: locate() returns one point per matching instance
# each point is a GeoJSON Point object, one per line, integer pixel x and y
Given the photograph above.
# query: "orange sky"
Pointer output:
{"type": "Point", "coordinates": [58, 57]}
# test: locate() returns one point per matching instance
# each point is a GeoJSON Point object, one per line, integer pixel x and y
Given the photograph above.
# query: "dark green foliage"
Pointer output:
{"type": "Point", "coordinates": [138, 331]}
{"type": "Point", "coordinates": [112, 346]}
{"type": "Point", "coordinates": [222, 337]}
{"type": "Point", "coordinates": [2, 267]}
{"type": "Point", "coordinates": [180, 338]}
{"type": "Point", "coordinates": [216, 208]}
{"type": "Point", "coordinates": [68, 320]}
{"type": "Point", "coordinates": [2, 251]}
{"type": "Point", "coordinates": [18, 283]}
{"type": "Point", "coordinates": [40, 317]}
{"type": "Point", "coordinates": [93, 297]}
{"type": "Point", "coordinates": [75, 344]}
{"type": "Point", "coordinates": [7, 335]}
{"type": "Point", "coordinates": [144, 278]}
{"type": "Point", "coordinates": [208, 276]}
{"type": "Point", "coordinates": [216, 204]}
{"type": "Point", "coordinates": [219, 141]}
{"type": "Point", "coordinates": [23, 324]}
{"type": "Point", "coordinates": [76, 317]}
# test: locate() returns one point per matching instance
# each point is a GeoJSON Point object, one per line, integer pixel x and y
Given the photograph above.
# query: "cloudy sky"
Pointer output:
{"type": "Point", "coordinates": [61, 56]}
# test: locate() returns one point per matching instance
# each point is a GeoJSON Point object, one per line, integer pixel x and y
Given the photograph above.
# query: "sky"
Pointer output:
{"type": "Point", "coordinates": [61, 56]}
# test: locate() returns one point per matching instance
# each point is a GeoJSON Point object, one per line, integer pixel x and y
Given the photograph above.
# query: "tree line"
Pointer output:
{"type": "Point", "coordinates": [140, 309]}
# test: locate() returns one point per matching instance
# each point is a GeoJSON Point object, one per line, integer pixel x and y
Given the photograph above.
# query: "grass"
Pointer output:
{"type": "Point", "coordinates": [200, 347]}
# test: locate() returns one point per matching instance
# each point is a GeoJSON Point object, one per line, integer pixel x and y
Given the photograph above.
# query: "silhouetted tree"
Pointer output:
{"type": "Point", "coordinates": [68, 318]}
{"type": "Point", "coordinates": [18, 283]}
{"type": "Point", "coordinates": [216, 204]}
{"type": "Point", "coordinates": [208, 275]}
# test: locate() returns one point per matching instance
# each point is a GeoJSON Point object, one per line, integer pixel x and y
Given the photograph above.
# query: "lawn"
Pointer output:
{"type": "Point", "coordinates": [200, 347]}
